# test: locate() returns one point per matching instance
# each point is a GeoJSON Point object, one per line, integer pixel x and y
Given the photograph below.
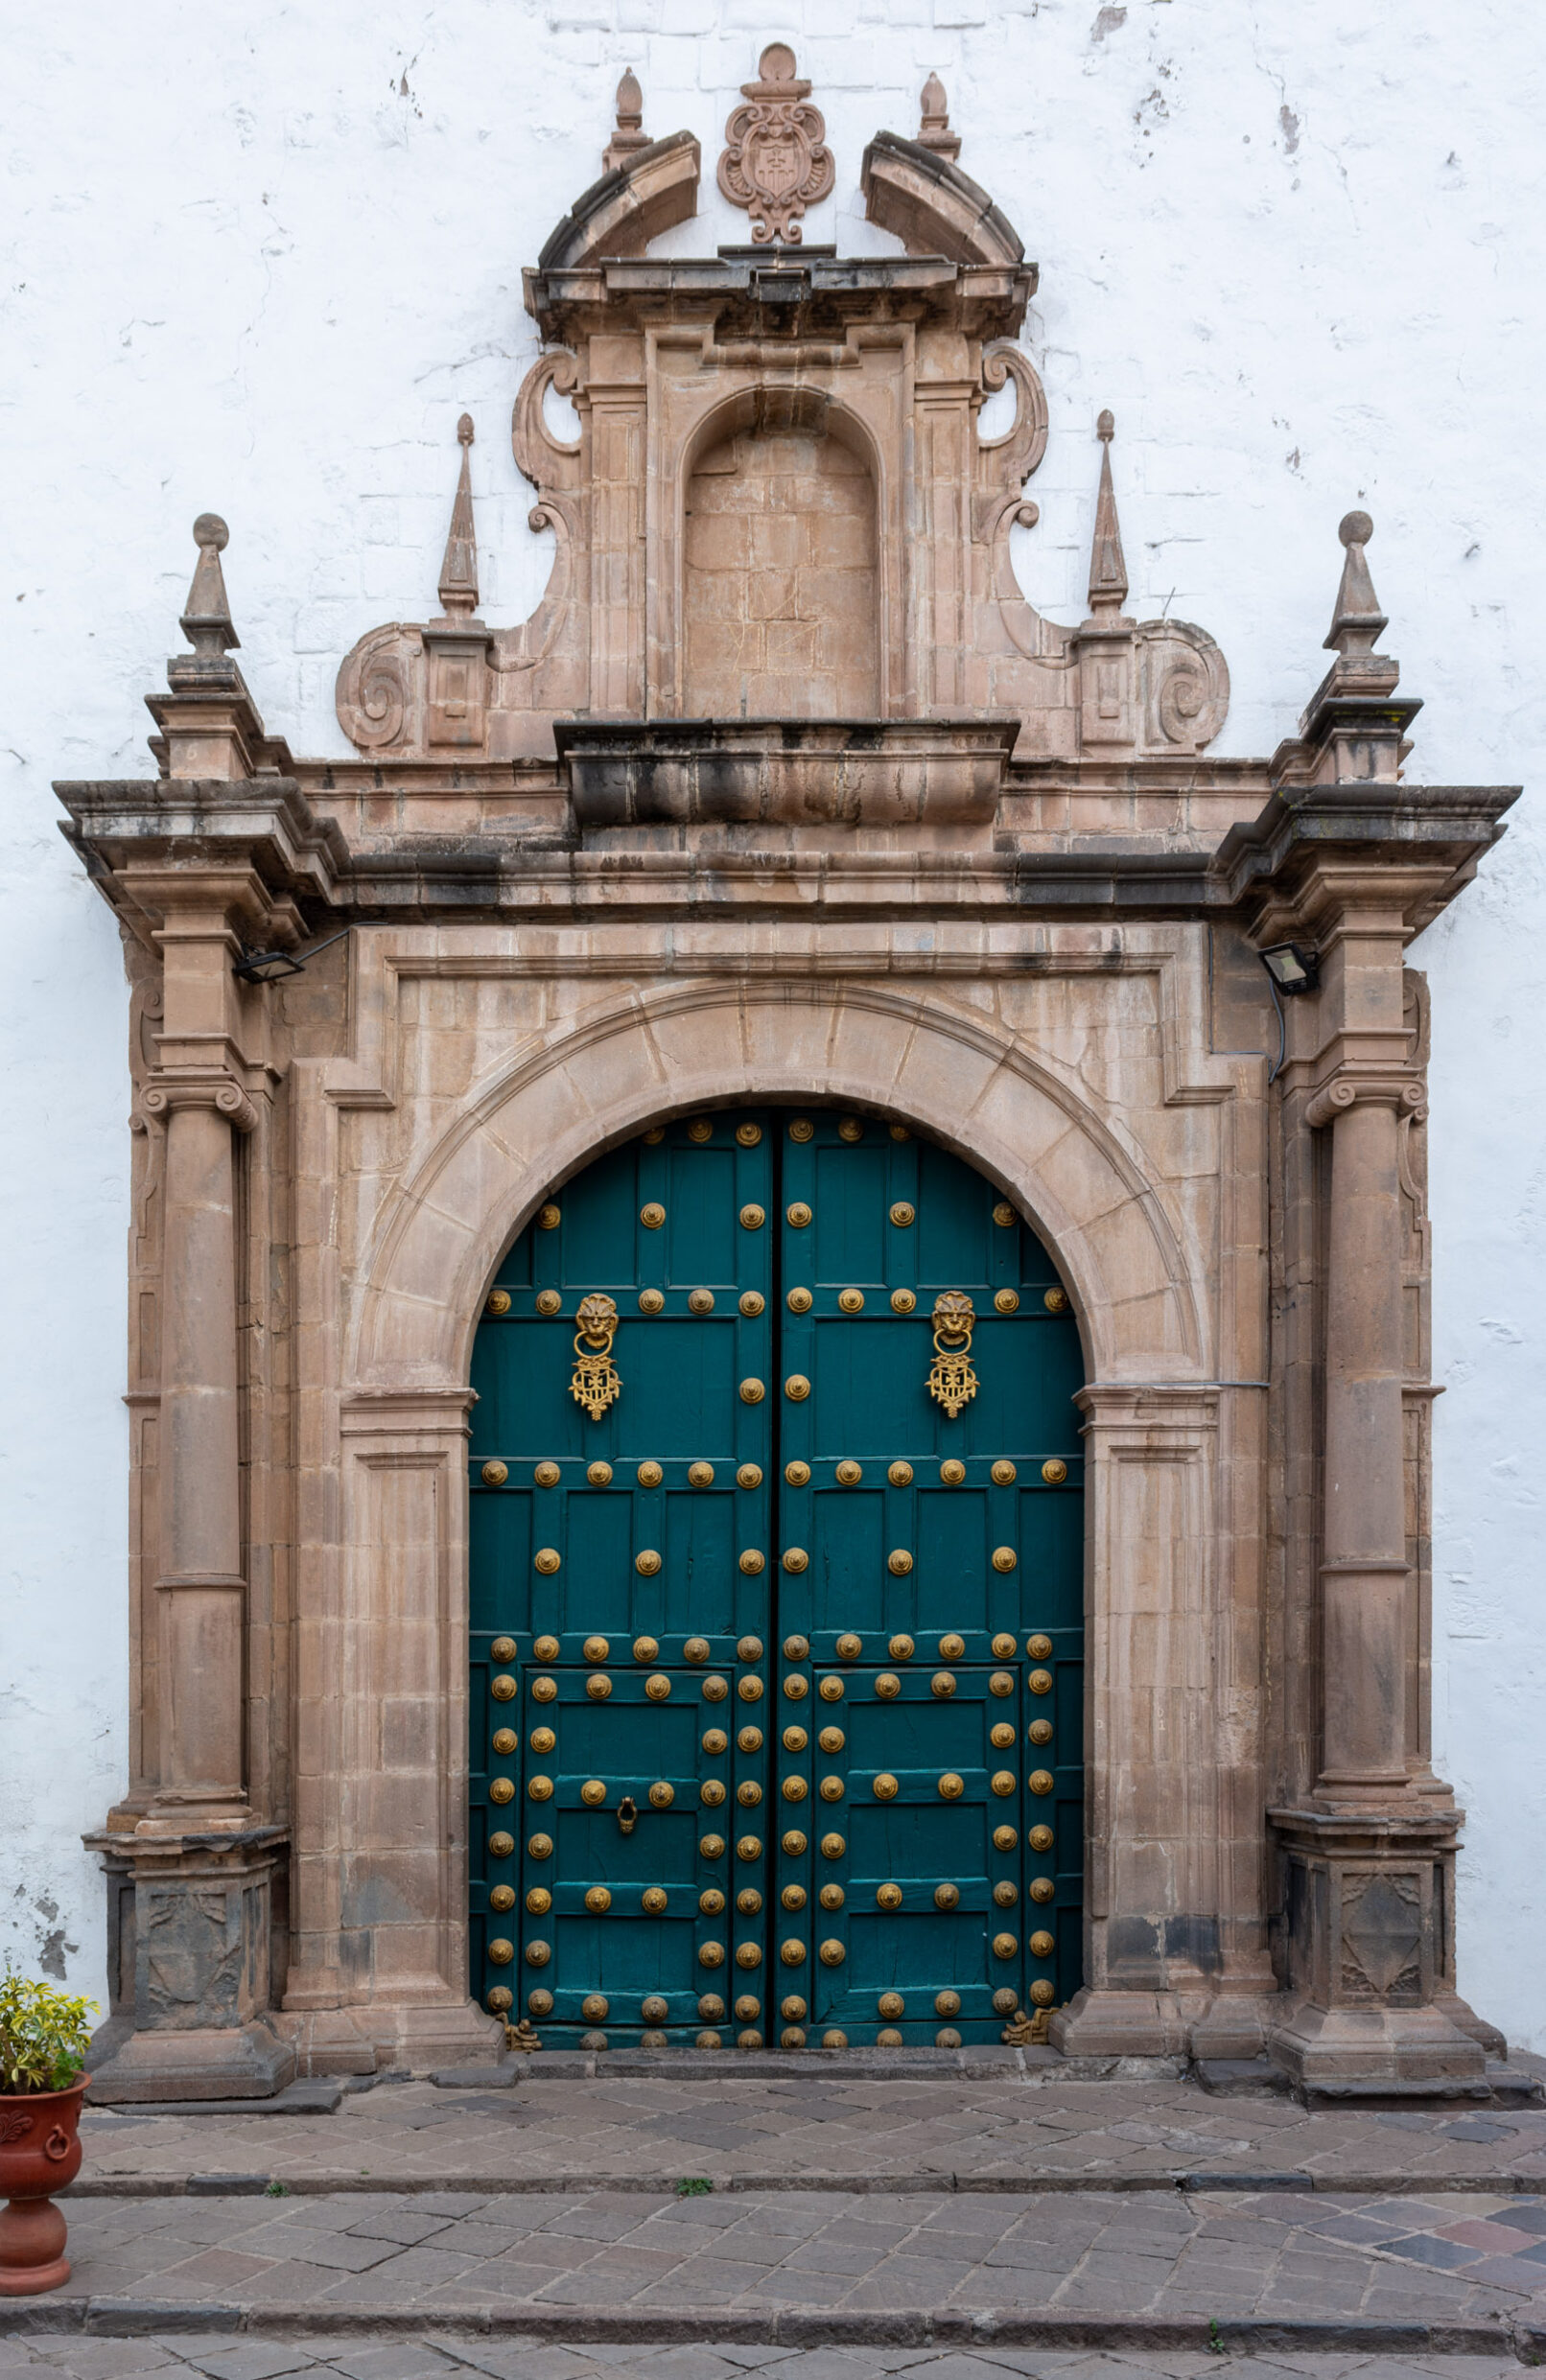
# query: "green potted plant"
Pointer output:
{"type": "Point", "coordinates": [43, 2038]}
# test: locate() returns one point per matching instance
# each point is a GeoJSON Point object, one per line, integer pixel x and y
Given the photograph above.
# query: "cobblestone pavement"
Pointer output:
{"type": "Point", "coordinates": [1295, 2254]}
{"type": "Point", "coordinates": [638, 2131]}
{"type": "Point", "coordinates": [436, 2357]}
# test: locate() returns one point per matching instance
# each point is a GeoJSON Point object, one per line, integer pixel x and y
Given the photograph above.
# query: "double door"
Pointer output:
{"type": "Point", "coordinates": [776, 1604]}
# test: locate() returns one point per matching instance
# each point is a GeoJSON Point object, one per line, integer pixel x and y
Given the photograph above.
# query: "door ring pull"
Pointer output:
{"type": "Point", "coordinates": [627, 1815]}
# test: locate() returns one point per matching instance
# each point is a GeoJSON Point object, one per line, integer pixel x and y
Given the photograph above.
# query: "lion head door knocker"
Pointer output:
{"type": "Point", "coordinates": [951, 1381]}
{"type": "Point", "coordinates": [596, 1382]}
{"type": "Point", "coordinates": [776, 164]}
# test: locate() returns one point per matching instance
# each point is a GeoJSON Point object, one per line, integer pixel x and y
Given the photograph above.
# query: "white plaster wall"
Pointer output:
{"type": "Point", "coordinates": [260, 260]}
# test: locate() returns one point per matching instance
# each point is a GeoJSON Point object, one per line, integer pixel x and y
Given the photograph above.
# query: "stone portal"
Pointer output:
{"type": "Point", "coordinates": [785, 803]}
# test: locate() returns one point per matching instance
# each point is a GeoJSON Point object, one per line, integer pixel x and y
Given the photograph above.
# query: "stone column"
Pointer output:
{"type": "Point", "coordinates": [200, 1859]}
{"type": "Point", "coordinates": [1365, 1574]}
{"type": "Point", "coordinates": [1367, 1856]}
{"type": "Point", "coordinates": [201, 1586]}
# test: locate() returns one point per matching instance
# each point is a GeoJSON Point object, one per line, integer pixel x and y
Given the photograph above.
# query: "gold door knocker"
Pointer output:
{"type": "Point", "coordinates": [596, 1382]}
{"type": "Point", "coordinates": [627, 1815]}
{"type": "Point", "coordinates": [951, 1381]}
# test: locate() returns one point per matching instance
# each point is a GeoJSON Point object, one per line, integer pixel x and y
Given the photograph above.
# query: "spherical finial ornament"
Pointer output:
{"type": "Point", "coordinates": [777, 63]}
{"type": "Point", "coordinates": [1106, 426]}
{"type": "Point", "coordinates": [210, 530]}
{"type": "Point", "coordinates": [1355, 529]}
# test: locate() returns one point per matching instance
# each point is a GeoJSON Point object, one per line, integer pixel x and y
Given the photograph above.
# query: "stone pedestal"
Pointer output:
{"type": "Point", "coordinates": [1369, 1924]}
{"type": "Point", "coordinates": [194, 2026]}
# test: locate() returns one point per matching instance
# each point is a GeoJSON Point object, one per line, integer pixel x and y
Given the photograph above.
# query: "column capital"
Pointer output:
{"type": "Point", "coordinates": [1406, 1093]}
{"type": "Point", "coordinates": [203, 1087]}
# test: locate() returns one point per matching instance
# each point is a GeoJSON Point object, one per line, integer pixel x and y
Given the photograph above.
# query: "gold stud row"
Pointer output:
{"type": "Point", "coordinates": [797, 1474]}
{"type": "Point", "coordinates": [751, 1302]}
{"type": "Point", "coordinates": [502, 1846]}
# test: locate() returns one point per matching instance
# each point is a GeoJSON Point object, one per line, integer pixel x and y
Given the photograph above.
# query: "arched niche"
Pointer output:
{"type": "Point", "coordinates": [781, 567]}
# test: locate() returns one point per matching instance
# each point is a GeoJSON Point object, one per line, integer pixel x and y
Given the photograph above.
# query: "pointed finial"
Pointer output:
{"type": "Point", "coordinates": [1108, 565]}
{"type": "Point", "coordinates": [206, 622]}
{"type": "Point", "coordinates": [935, 131]}
{"type": "Point", "coordinates": [1358, 620]}
{"type": "Point", "coordinates": [629, 133]}
{"type": "Point", "coordinates": [458, 572]}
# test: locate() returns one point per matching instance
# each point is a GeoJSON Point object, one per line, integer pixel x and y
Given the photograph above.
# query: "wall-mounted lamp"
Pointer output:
{"type": "Point", "coordinates": [268, 967]}
{"type": "Point", "coordinates": [1292, 967]}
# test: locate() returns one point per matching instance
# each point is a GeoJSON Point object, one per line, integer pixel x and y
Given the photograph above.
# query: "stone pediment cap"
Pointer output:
{"type": "Point", "coordinates": [618, 216]}
{"type": "Point", "coordinates": [935, 209]}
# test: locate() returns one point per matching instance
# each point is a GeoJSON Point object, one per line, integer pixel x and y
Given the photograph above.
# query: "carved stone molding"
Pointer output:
{"type": "Point", "coordinates": [647, 194]}
{"type": "Point", "coordinates": [776, 163]}
{"type": "Point", "coordinates": [922, 194]}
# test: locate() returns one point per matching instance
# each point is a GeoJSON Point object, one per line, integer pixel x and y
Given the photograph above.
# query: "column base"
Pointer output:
{"type": "Point", "coordinates": [377, 2038]}
{"type": "Point", "coordinates": [229, 2061]}
{"type": "Point", "coordinates": [1101, 2022]}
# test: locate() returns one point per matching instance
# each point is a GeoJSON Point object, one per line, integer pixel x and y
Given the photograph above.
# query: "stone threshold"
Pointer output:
{"type": "Point", "coordinates": [1504, 2086]}
{"type": "Point", "coordinates": [580, 2326]}
{"type": "Point", "coordinates": [553, 2183]}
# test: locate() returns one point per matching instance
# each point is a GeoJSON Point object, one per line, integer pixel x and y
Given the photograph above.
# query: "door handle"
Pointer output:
{"type": "Point", "coordinates": [627, 1815]}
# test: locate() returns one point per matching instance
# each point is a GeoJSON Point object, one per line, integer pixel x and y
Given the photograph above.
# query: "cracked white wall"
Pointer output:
{"type": "Point", "coordinates": [261, 263]}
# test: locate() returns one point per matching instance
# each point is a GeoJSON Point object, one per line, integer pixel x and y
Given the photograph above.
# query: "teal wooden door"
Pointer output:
{"type": "Point", "coordinates": [777, 1705]}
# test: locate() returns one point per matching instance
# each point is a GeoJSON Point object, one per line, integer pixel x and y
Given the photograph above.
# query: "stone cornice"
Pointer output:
{"type": "Point", "coordinates": [1410, 847]}
{"type": "Point", "coordinates": [1275, 869]}
{"type": "Point", "coordinates": [745, 291]}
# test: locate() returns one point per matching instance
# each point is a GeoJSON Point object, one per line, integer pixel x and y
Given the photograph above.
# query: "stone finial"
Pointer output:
{"type": "Point", "coordinates": [776, 164]}
{"type": "Point", "coordinates": [935, 130]}
{"type": "Point", "coordinates": [1358, 622]}
{"type": "Point", "coordinates": [628, 134]}
{"type": "Point", "coordinates": [458, 572]}
{"type": "Point", "coordinates": [1108, 565]}
{"type": "Point", "coordinates": [207, 622]}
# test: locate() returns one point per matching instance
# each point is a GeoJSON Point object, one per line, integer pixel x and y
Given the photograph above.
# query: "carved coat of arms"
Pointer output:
{"type": "Point", "coordinates": [777, 163]}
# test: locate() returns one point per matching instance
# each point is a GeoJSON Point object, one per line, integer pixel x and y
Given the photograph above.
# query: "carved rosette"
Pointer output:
{"type": "Point", "coordinates": [776, 163]}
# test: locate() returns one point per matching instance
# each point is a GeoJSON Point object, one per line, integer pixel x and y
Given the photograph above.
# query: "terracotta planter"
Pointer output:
{"type": "Point", "coordinates": [39, 2154]}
